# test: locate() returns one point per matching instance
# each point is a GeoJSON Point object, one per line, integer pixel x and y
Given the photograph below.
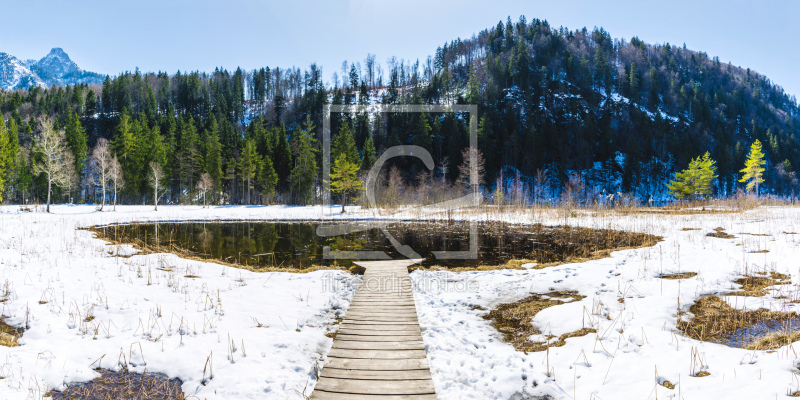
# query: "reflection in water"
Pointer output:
{"type": "Point", "coordinates": [297, 245]}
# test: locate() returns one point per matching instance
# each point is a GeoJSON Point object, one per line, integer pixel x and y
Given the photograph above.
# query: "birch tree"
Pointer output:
{"type": "Point", "coordinates": [155, 176]}
{"type": "Point", "coordinates": [205, 185]}
{"type": "Point", "coordinates": [53, 161]}
{"type": "Point", "coordinates": [115, 173]}
{"type": "Point", "coordinates": [101, 167]}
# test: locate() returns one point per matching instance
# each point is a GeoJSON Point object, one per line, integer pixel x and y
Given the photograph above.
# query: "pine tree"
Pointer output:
{"type": "Point", "coordinates": [268, 178]}
{"type": "Point", "coordinates": [344, 144]}
{"type": "Point", "coordinates": [422, 132]}
{"type": "Point", "coordinates": [282, 158]}
{"type": "Point", "coordinates": [344, 178]}
{"type": "Point", "coordinates": [754, 167]}
{"type": "Point", "coordinates": [304, 173]}
{"type": "Point", "coordinates": [696, 180]}
{"type": "Point", "coordinates": [249, 165]}
{"type": "Point", "coordinates": [369, 157]}
{"type": "Point", "coordinates": [5, 156]}
{"type": "Point", "coordinates": [214, 161]}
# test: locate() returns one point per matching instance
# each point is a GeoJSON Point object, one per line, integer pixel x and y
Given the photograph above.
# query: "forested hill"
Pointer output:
{"type": "Point", "coordinates": [566, 100]}
{"type": "Point", "coordinates": [557, 108]}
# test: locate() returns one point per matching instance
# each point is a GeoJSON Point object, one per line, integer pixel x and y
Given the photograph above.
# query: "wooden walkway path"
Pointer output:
{"type": "Point", "coordinates": [378, 352]}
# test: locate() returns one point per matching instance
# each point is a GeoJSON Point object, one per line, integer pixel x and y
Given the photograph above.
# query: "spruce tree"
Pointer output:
{"type": "Point", "coordinates": [344, 144]}
{"type": "Point", "coordinates": [268, 178]}
{"type": "Point", "coordinates": [753, 171]}
{"type": "Point", "coordinates": [76, 140]}
{"type": "Point", "coordinates": [282, 158]}
{"type": "Point", "coordinates": [695, 181]}
{"type": "Point", "coordinates": [369, 156]}
{"type": "Point", "coordinates": [4, 156]}
{"type": "Point", "coordinates": [344, 178]}
{"type": "Point", "coordinates": [249, 165]}
{"type": "Point", "coordinates": [304, 173]}
{"type": "Point", "coordinates": [214, 160]}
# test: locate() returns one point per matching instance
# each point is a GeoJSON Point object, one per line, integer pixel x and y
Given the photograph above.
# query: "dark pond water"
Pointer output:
{"type": "Point", "coordinates": [302, 244]}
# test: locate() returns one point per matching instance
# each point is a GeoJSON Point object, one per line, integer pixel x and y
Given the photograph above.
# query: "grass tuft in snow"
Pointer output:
{"type": "Point", "coordinates": [514, 320]}
{"type": "Point", "coordinates": [715, 321]}
{"type": "Point", "coordinates": [124, 385]}
{"type": "Point", "coordinates": [757, 285]}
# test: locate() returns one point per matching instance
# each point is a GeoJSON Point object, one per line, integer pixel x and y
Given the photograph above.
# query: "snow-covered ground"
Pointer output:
{"type": "Point", "coordinates": [149, 315]}
{"type": "Point", "coordinates": [636, 340]}
{"type": "Point", "coordinates": [57, 275]}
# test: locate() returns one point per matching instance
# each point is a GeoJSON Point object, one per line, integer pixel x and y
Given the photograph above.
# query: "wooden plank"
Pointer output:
{"type": "Point", "coordinates": [403, 375]}
{"type": "Point", "coordinates": [376, 331]}
{"type": "Point", "coordinates": [383, 308]}
{"type": "Point", "coordinates": [377, 338]}
{"type": "Point", "coordinates": [377, 364]}
{"type": "Point", "coordinates": [391, 302]}
{"type": "Point", "coordinates": [380, 316]}
{"type": "Point", "coordinates": [322, 395]}
{"type": "Point", "coordinates": [363, 386]}
{"type": "Point", "coordinates": [359, 345]}
{"type": "Point", "coordinates": [349, 323]}
{"type": "Point", "coordinates": [376, 354]}
{"type": "Point", "coordinates": [384, 320]}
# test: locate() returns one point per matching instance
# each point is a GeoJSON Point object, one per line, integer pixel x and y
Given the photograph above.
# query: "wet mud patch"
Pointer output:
{"type": "Point", "coordinates": [515, 320]}
{"type": "Point", "coordinates": [124, 385]}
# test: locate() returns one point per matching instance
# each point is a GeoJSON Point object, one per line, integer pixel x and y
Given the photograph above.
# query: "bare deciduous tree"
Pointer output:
{"type": "Point", "coordinates": [100, 168]}
{"type": "Point", "coordinates": [154, 177]}
{"type": "Point", "coordinates": [54, 161]}
{"type": "Point", "coordinates": [466, 168]}
{"type": "Point", "coordinates": [115, 173]}
{"type": "Point", "coordinates": [205, 185]}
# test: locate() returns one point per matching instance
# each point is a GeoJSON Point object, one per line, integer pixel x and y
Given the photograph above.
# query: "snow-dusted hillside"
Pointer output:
{"type": "Point", "coordinates": [14, 73]}
{"type": "Point", "coordinates": [56, 68]}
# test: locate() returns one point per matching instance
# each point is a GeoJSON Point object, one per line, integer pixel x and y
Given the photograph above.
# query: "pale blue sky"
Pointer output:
{"type": "Point", "coordinates": [111, 36]}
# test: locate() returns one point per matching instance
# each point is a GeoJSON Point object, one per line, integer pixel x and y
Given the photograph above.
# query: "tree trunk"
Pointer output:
{"type": "Point", "coordinates": [49, 182]}
{"type": "Point", "coordinates": [155, 196]}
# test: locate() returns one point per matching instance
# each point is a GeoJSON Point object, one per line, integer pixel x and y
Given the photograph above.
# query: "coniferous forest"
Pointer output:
{"type": "Point", "coordinates": [560, 112]}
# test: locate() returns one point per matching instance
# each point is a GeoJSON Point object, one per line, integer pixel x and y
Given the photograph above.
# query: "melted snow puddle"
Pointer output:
{"type": "Point", "coordinates": [765, 334]}
{"type": "Point", "coordinates": [305, 244]}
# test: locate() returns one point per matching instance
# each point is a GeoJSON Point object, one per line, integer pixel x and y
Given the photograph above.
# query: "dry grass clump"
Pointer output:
{"type": "Point", "coordinates": [720, 233]}
{"type": "Point", "coordinates": [757, 285]}
{"type": "Point", "coordinates": [515, 320]}
{"type": "Point", "coordinates": [559, 245]}
{"type": "Point", "coordinates": [124, 385]}
{"type": "Point", "coordinates": [774, 340]}
{"type": "Point", "coordinates": [715, 321]}
{"type": "Point", "coordinates": [679, 275]}
{"type": "Point", "coordinates": [9, 335]}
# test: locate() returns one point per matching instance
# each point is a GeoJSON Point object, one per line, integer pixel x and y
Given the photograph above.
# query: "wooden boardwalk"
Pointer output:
{"type": "Point", "coordinates": [378, 352]}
